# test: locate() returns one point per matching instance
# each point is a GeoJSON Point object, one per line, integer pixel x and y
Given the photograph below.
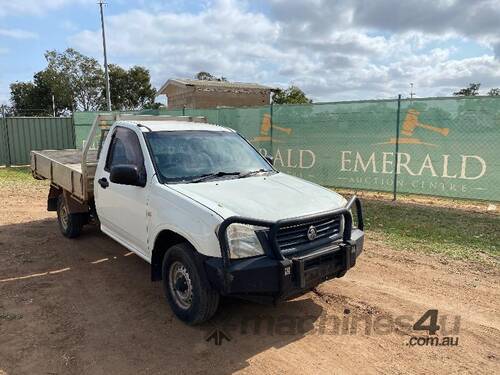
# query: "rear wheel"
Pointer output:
{"type": "Point", "coordinates": [188, 293]}
{"type": "Point", "coordinates": [69, 224]}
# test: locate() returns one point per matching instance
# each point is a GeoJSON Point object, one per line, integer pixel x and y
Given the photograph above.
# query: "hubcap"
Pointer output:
{"type": "Point", "coordinates": [63, 215]}
{"type": "Point", "coordinates": [180, 285]}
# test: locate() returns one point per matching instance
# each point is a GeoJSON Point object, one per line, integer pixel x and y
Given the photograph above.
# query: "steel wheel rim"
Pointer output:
{"type": "Point", "coordinates": [181, 287]}
{"type": "Point", "coordinates": [63, 215]}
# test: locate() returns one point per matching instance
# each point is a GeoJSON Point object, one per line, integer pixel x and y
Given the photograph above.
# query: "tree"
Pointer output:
{"type": "Point", "coordinates": [141, 92]}
{"type": "Point", "coordinates": [130, 89]}
{"type": "Point", "coordinates": [118, 79]}
{"type": "Point", "coordinates": [25, 99]}
{"type": "Point", "coordinates": [205, 76]}
{"type": "Point", "coordinates": [77, 83]}
{"type": "Point", "coordinates": [35, 98]}
{"type": "Point", "coordinates": [292, 95]}
{"type": "Point", "coordinates": [83, 75]}
{"type": "Point", "coordinates": [154, 105]}
{"type": "Point", "coordinates": [494, 92]}
{"type": "Point", "coordinates": [48, 83]}
{"type": "Point", "coordinates": [471, 90]}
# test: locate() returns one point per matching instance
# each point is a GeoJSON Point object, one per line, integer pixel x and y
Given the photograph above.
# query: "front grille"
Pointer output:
{"type": "Point", "coordinates": [293, 238]}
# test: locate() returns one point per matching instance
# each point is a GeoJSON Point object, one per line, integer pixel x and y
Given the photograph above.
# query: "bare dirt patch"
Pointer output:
{"type": "Point", "coordinates": [86, 306]}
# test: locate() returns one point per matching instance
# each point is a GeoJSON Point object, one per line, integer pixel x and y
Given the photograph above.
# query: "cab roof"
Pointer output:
{"type": "Point", "coordinates": [157, 126]}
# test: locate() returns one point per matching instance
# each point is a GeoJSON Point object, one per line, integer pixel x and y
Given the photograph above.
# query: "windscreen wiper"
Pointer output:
{"type": "Point", "coordinates": [251, 173]}
{"type": "Point", "coordinates": [209, 176]}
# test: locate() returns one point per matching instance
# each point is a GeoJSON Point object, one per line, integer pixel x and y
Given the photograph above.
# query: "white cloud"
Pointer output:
{"type": "Point", "coordinates": [333, 50]}
{"type": "Point", "coordinates": [222, 39]}
{"type": "Point", "coordinates": [4, 94]}
{"type": "Point", "coordinates": [35, 7]}
{"type": "Point", "coordinates": [18, 34]}
{"type": "Point", "coordinates": [476, 19]}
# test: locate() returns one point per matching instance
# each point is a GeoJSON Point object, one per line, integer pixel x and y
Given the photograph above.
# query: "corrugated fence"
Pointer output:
{"type": "Point", "coordinates": [20, 135]}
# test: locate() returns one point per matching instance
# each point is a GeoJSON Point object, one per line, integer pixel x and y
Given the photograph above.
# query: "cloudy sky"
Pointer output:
{"type": "Point", "coordinates": [333, 49]}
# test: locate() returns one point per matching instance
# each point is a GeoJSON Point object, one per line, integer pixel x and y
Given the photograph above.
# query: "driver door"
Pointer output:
{"type": "Point", "coordinates": [122, 208]}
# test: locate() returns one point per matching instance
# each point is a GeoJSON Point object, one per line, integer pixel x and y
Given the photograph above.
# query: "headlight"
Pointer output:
{"type": "Point", "coordinates": [243, 242]}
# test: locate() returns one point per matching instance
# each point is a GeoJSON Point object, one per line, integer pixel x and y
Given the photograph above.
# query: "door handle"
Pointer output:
{"type": "Point", "coordinates": [103, 182]}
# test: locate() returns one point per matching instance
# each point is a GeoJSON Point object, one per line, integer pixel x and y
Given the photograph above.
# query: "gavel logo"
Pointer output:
{"type": "Point", "coordinates": [411, 123]}
{"type": "Point", "coordinates": [265, 129]}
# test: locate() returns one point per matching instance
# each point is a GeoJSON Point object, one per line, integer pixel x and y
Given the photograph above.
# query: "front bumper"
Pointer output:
{"type": "Point", "coordinates": [273, 276]}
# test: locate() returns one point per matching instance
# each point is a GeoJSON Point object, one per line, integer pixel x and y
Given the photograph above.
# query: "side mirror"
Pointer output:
{"type": "Point", "coordinates": [126, 174]}
{"type": "Point", "coordinates": [270, 159]}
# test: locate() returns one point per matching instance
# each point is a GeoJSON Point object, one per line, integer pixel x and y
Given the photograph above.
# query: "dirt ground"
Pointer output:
{"type": "Point", "coordinates": [87, 306]}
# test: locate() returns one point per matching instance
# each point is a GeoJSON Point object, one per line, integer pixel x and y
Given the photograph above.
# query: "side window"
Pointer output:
{"type": "Point", "coordinates": [124, 149]}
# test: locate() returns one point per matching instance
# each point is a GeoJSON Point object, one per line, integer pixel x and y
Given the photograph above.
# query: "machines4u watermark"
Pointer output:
{"type": "Point", "coordinates": [428, 322]}
{"type": "Point", "coordinates": [427, 329]}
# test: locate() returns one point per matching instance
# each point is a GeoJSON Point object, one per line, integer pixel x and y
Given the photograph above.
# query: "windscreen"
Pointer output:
{"type": "Point", "coordinates": [184, 156]}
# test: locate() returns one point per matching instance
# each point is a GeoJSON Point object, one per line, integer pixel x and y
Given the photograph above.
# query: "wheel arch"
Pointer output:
{"type": "Point", "coordinates": [164, 240]}
{"type": "Point", "coordinates": [74, 206]}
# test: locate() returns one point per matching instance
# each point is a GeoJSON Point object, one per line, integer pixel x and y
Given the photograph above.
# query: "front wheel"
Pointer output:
{"type": "Point", "coordinates": [69, 224]}
{"type": "Point", "coordinates": [188, 293]}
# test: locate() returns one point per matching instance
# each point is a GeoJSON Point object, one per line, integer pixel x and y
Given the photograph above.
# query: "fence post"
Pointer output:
{"type": "Point", "coordinates": [6, 130]}
{"type": "Point", "coordinates": [73, 128]}
{"type": "Point", "coordinates": [396, 159]}
{"type": "Point", "coordinates": [271, 130]}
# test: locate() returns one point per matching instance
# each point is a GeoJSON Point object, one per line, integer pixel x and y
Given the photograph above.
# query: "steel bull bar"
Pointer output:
{"type": "Point", "coordinates": [293, 263]}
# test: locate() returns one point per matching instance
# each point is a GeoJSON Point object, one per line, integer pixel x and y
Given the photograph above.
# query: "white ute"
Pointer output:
{"type": "Point", "coordinates": [204, 208]}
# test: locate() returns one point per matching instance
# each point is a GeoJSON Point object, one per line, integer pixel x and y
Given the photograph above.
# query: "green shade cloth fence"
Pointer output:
{"type": "Point", "coordinates": [447, 146]}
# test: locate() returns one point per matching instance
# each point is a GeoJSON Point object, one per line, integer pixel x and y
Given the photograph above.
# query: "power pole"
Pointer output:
{"type": "Point", "coordinates": [53, 105]}
{"type": "Point", "coordinates": [108, 94]}
{"type": "Point", "coordinates": [411, 91]}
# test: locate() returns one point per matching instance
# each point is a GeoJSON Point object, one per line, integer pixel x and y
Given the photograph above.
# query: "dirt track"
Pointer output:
{"type": "Point", "coordinates": [107, 317]}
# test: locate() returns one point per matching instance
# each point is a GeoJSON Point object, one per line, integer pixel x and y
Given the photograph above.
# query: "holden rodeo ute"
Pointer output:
{"type": "Point", "coordinates": [210, 214]}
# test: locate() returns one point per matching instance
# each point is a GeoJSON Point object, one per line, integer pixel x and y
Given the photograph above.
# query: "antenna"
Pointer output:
{"type": "Point", "coordinates": [106, 74]}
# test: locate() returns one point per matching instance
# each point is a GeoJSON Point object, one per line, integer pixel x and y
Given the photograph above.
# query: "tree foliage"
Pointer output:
{"type": "Point", "coordinates": [26, 99]}
{"type": "Point", "coordinates": [130, 89]}
{"type": "Point", "coordinates": [77, 83]}
{"type": "Point", "coordinates": [292, 95]}
{"type": "Point", "coordinates": [205, 76]}
{"type": "Point", "coordinates": [82, 75]}
{"type": "Point", "coordinates": [471, 90]}
{"type": "Point", "coordinates": [494, 92]}
{"type": "Point", "coordinates": [35, 98]}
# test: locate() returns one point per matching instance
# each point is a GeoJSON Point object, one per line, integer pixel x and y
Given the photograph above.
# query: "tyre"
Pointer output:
{"type": "Point", "coordinates": [189, 295]}
{"type": "Point", "coordinates": [69, 224]}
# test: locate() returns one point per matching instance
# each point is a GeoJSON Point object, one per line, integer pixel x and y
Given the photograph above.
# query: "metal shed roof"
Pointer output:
{"type": "Point", "coordinates": [206, 83]}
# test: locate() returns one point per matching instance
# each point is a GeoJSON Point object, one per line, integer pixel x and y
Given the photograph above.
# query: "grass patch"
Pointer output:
{"type": "Point", "coordinates": [18, 173]}
{"type": "Point", "coordinates": [427, 200]}
{"type": "Point", "coordinates": [10, 316]}
{"type": "Point", "coordinates": [16, 176]}
{"type": "Point", "coordinates": [456, 233]}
